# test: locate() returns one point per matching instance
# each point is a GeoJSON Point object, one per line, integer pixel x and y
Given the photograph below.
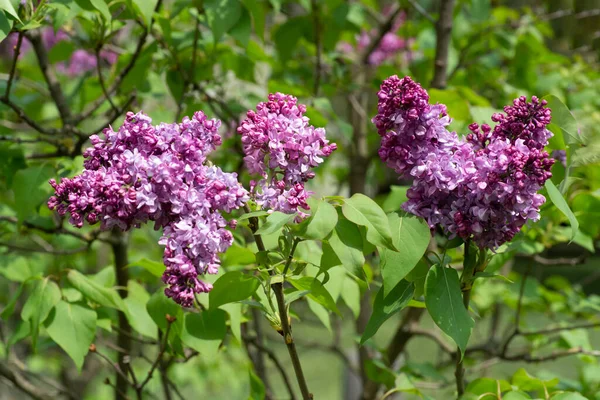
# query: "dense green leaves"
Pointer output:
{"type": "Point", "coordinates": [411, 237]}
{"type": "Point", "coordinates": [231, 287]}
{"type": "Point", "coordinates": [445, 305]}
{"type": "Point", "coordinates": [386, 306]}
{"type": "Point", "coordinates": [73, 327]}
{"type": "Point", "coordinates": [365, 212]}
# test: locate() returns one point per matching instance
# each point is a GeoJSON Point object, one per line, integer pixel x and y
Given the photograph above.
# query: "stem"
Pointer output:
{"type": "Point", "coordinates": [119, 248]}
{"type": "Point", "coordinates": [13, 68]}
{"type": "Point", "coordinates": [467, 284]}
{"type": "Point", "coordinates": [283, 315]}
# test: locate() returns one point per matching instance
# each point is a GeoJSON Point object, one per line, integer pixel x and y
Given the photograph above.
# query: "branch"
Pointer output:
{"type": "Point", "coordinates": [559, 261]}
{"type": "Point", "coordinates": [94, 235]}
{"type": "Point", "coordinates": [28, 120]}
{"type": "Point", "coordinates": [48, 251]}
{"type": "Point", "coordinates": [443, 38]}
{"type": "Point", "coordinates": [381, 31]}
{"type": "Point", "coordinates": [13, 68]}
{"type": "Point", "coordinates": [101, 78]}
{"type": "Point", "coordinates": [561, 329]}
{"type": "Point", "coordinates": [516, 331]}
{"type": "Point", "coordinates": [161, 352]}
{"type": "Point", "coordinates": [122, 75]}
{"type": "Point", "coordinates": [433, 335]}
{"type": "Point", "coordinates": [527, 357]}
{"type": "Point", "coordinates": [10, 373]}
{"type": "Point", "coordinates": [54, 87]}
{"type": "Point", "coordinates": [422, 11]}
{"type": "Point", "coordinates": [277, 363]}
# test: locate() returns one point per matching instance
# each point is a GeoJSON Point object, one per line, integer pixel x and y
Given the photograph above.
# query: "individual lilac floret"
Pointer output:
{"type": "Point", "coordinates": [483, 188]}
{"type": "Point", "coordinates": [282, 147]}
{"type": "Point", "coordinates": [144, 173]}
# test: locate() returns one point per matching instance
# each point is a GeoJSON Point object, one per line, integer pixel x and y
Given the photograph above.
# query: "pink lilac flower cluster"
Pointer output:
{"type": "Point", "coordinates": [81, 60]}
{"type": "Point", "coordinates": [159, 173]}
{"type": "Point", "coordinates": [282, 147]}
{"type": "Point", "coordinates": [482, 188]}
{"type": "Point", "coordinates": [389, 46]}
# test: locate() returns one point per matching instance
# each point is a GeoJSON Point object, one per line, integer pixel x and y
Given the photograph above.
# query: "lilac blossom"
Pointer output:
{"type": "Point", "coordinates": [142, 173]}
{"type": "Point", "coordinates": [389, 46]}
{"type": "Point", "coordinates": [80, 62]}
{"type": "Point", "coordinates": [282, 147]}
{"type": "Point", "coordinates": [482, 188]}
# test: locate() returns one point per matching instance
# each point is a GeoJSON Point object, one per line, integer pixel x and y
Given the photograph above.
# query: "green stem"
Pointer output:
{"type": "Point", "coordinates": [283, 315]}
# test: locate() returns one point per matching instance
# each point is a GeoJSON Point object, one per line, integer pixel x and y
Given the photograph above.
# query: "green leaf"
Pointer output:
{"type": "Point", "coordinates": [138, 316]}
{"type": "Point", "coordinates": [365, 212]}
{"type": "Point", "coordinates": [411, 236]}
{"type": "Point", "coordinates": [242, 30]}
{"type": "Point", "coordinates": [145, 8]}
{"type": "Point", "coordinates": [252, 214]}
{"type": "Point", "coordinates": [154, 267]}
{"type": "Point", "coordinates": [320, 312]}
{"type": "Point", "coordinates": [101, 6]}
{"type": "Point", "coordinates": [5, 26]}
{"type": "Point", "coordinates": [73, 328]}
{"type": "Point", "coordinates": [31, 189]}
{"type": "Point", "coordinates": [560, 203]}
{"type": "Point", "coordinates": [322, 222]}
{"type": "Point", "coordinates": [384, 308]}
{"type": "Point", "coordinates": [287, 35]}
{"type": "Point", "coordinates": [568, 396]}
{"type": "Point", "coordinates": [487, 385]}
{"type": "Point", "coordinates": [351, 295]}
{"type": "Point", "coordinates": [347, 243]}
{"type": "Point", "coordinates": [222, 16]}
{"type": "Point", "coordinates": [274, 223]}
{"type": "Point", "coordinates": [317, 292]}
{"type": "Point", "coordinates": [9, 9]}
{"type": "Point", "coordinates": [44, 296]}
{"type": "Point", "coordinates": [257, 387]}
{"type": "Point", "coordinates": [445, 305]}
{"type": "Point", "coordinates": [9, 309]}
{"type": "Point", "coordinates": [526, 382]}
{"type": "Point", "coordinates": [395, 199]}
{"type": "Point", "coordinates": [159, 306]}
{"type": "Point", "coordinates": [258, 11]}
{"type": "Point", "coordinates": [205, 331]}
{"type": "Point", "coordinates": [564, 119]}
{"type": "Point", "coordinates": [514, 395]}
{"type": "Point", "coordinates": [97, 293]}
{"type": "Point", "coordinates": [12, 159]}
{"type": "Point", "coordinates": [486, 274]}
{"type": "Point", "coordinates": [231, 287]}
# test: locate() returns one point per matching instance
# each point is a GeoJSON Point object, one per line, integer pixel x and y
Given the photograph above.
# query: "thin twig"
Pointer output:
{"type": "Point", "coordinates": [381, 31]}
{"type": "Point", "coordinates": [277, 364]}
{"type": "Point", "coordinates": [517, 330]}
{"type": "Point", "coordinates": [161, 352]}
{"type": "Point", "coordinates": [123, 74]}
{"type": "Point", "coordinates": [421, 10]}
{"type": "Point", "coordinates": [101, 79]}
{"type": "Point", "coordinates": [13, 67]}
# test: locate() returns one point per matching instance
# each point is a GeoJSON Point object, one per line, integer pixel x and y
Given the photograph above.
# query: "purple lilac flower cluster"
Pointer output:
{"type": "Point", "coordinates": [389, 46]}
{"type": "Point", "coordinates": [281, 146]}
{"type": "Point", "coordinates": [159, 173]}
{"type": "Point", "coordinates": [483, 188]}
{"type": "Point", "coordinates": [81, 60]}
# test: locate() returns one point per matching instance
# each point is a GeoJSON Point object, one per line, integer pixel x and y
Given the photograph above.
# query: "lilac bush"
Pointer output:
{"type": "Point", "coordinates": [483, 187]}
{"type": "Point", "coordinates": [159, 173]}
{"type": "Point", "coordinates": [282, 147]}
